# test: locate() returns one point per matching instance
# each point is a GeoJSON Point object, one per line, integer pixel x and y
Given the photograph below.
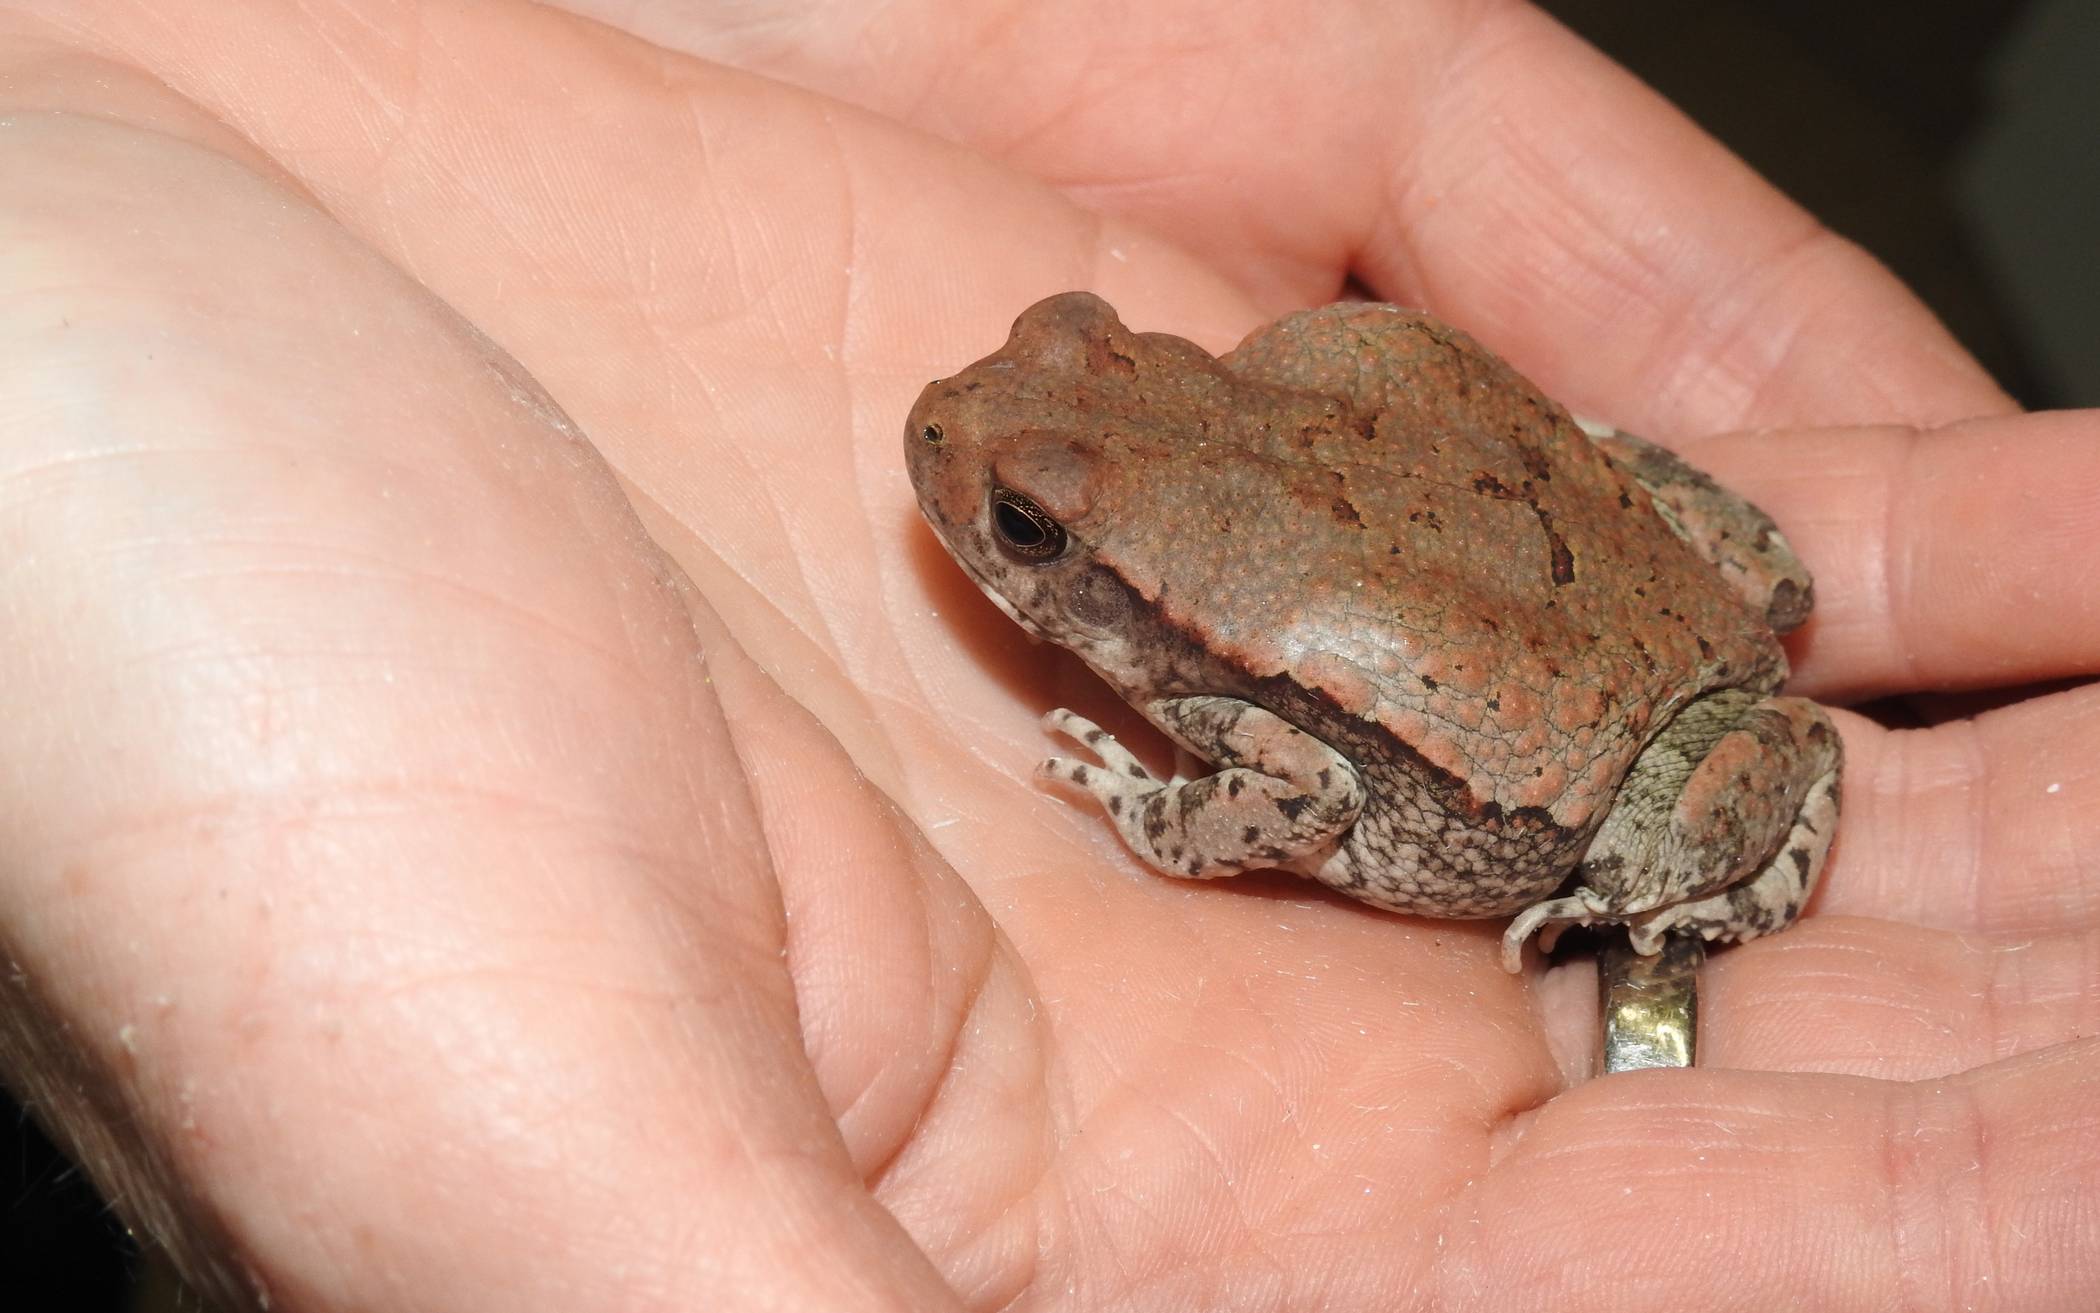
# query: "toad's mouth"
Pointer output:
{"type": "Point", "coordinates": [1029, 627]}
{"type": "Point", "coordinates": [984, 585]}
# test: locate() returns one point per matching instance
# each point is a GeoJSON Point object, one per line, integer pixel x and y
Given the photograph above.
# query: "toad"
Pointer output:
{"type": "Point", "coordinates": [1446, 651]}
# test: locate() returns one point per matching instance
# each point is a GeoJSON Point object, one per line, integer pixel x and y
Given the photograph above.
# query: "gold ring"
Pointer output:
{"type": "Point", "coordinates": [1649, 1005]}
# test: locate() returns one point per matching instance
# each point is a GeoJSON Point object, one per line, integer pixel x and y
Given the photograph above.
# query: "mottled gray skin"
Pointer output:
{"type": "Point", "coordinates": [1445, 651]}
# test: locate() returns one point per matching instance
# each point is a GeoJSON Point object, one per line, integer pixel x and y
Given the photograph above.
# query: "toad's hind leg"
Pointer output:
{"type": "Point", "coordinates": [1720, 828]}
{"type": "Point", "coordinates": [1279, 794]}
{"type": "Point", "coordinates": [1722, 526]}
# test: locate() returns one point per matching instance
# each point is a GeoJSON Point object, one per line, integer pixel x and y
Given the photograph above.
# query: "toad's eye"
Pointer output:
{"type": "Point", "coordinates": [931, 434]}
{"type": "Point", "coordinates": [1025, 530]}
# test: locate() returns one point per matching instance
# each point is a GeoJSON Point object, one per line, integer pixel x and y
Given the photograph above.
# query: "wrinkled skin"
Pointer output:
{"type": "Point", "coordinates": [454, 858]}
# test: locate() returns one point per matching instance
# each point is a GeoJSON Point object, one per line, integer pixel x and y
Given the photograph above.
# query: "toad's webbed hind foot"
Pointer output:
{"type": "Point", "coordinates": [1719, 830]}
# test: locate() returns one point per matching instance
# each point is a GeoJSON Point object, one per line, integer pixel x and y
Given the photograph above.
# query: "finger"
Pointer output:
{"type": "Point", "coordinates": [1617, 254]}
{"type": "Point", "coordinates": [1843, 995]}
{"type": "Point", "coordinates": [1984, 825]}
{"type": "Point", "coordinates": [364, 790]}
{"type": "Point", "coordinates": [1959, 557]}
{"type": "Point", "coordinates": [1633, 266]}
{"type": "Point", "coordinates": [1734, 1191]}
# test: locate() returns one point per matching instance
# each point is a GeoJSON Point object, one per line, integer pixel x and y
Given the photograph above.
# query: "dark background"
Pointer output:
{"type": "Point", "coordinates": [1959, 142]}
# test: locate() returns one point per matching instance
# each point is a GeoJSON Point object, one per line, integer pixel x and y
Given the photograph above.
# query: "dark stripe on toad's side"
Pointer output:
{"type": "Point", "coordinates": [1422, 826]}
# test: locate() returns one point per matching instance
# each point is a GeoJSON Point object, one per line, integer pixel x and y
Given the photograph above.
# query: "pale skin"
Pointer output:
{"type": "Point", "coordinates": [454, 864]}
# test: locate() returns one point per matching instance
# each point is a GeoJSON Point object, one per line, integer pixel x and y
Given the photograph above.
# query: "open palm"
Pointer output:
{"type": "Point", "coordinates": [507, 807]}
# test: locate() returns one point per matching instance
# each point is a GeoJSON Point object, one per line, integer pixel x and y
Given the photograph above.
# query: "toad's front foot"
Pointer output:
{"type": "Point", "coordinates": [1281, 793]}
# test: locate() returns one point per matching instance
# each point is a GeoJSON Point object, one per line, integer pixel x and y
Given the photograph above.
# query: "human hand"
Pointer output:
{"type": "Point", "coordinates": [456, 863]}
